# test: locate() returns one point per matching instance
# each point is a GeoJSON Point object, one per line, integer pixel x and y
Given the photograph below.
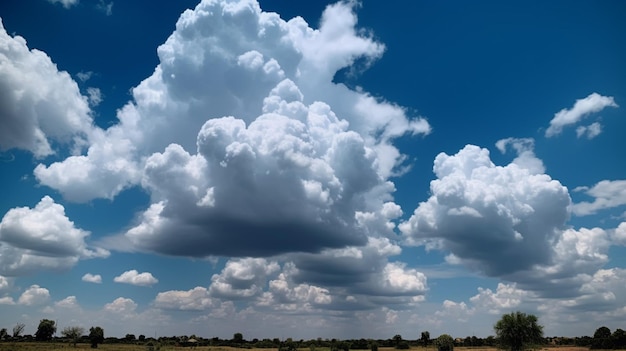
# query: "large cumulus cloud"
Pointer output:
{"type": "Point", "coordinates": [38, 103]}
{"type": "Point", "coordinates": [222, 60]}
{"type": "Point", "coordinates": [293, 180]}
{"type": "Point", "coordinates": [41, 238]}
{"type": "Point", "coordinates": [496, 219]}
{"type": "Point", "coordinates": [508, 222]}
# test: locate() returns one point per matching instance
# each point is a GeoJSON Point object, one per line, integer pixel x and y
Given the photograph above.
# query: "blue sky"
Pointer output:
{"type": "Point", "coordinates": [337, 170]}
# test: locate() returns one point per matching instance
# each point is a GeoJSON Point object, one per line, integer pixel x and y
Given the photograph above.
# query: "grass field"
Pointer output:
{"type": "Point", "coordinates": [37, 346]}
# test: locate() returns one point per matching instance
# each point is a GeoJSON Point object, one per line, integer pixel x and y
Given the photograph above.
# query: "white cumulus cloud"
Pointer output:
{"type": "Point", "coordinates": [135, 278]}
{"type": "Point", "coordinates": [606, 193]}
{"type": "Point", "coordinates": [496, 219]}
{"type": "Point", "coordinates": [581, 109]}
{"type": "Point", "coordinates": [38, 103]}
{"type": "Point", "coordinates": [41, 238]}
{"type": "Point", "coordinates": [242, 278]}
{"type": "Point", "coordinates": [196, 299]}
{"type": "Point", "coordinates": [325, 162]}
{"type": "Point", "coordinates": [92, 278]}
{"type": "Point", "coordinates": [34, 295]}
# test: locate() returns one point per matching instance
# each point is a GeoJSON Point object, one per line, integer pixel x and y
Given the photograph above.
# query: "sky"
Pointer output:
{"type": "Point", "coordinates": [312, 169]}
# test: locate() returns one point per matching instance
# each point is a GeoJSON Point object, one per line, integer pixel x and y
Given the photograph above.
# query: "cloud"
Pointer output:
{"type": "Point", "coordinates": [95, 96]}
{"type": "Point", "coordinates": [307, 176]}
{"type": "Point", "coordinates": [38, 103]}
{"type": "Point", "coordinates": [135, 278]}
{"type": "Point", "coordinates": [34, 295]}
{"type": "Point", "coordinates": [121, 305]}
{"type": "Point", "coordinates": [32, 239]}
{"type": "Point", "coordinates": [619, 234]}
{"type": "Point", "coordinates": [507, 297]}
{"type": "Point", "coordinates": [581, 109]}
{"type": "Point", "coordinates": [106, 8]}
{"type": "Point", "coordinates": [66, 3]}
{"type": "Point", "coordinates": [498, 220]}
{"type": "Point", "coordinates": [69, 302]}
{"type": "Point", "coordinates": [607, 194]}
{"type": "Point", "coordinates": [591, 131]}
{"type": "Point", "coordinates": [242, 278]}
{"type": "Point", "coordinates": [284, 295]}
{"type": "Point", "coordinates": [196, 299]}
{"type": "Point", "coordinates": [525, 153]}
{"type": "Point", "coordinates": [91, 278]}
{"type": "Point", "coordinates": [84, 76]}
{"type": "Point", "coordinates": [233, 59]}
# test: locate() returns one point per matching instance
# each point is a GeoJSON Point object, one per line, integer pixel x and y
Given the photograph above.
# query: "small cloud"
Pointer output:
{"type": "Point", "coordinates": [92, 278]}
{"type": "Point", "coordinates": [66, 3]}
{"type": "Point", "coordinates": [606, 193]}
{"type": "Point", "coordinates": [84, 76]}
{"type": "Point", "coordinates": [104, 7]}
{"type": "Point", "coordinates": [94, 96]}
{"type": "Point", "coordinates": [6, 301]}
{"type": "Point", "coordinates": [581, 109]}
{"type": "Point", "coordinates": [135, 278]}
{"type": "Point", "coordinates": [591, 131]}
{"type": "Point", "coordinates": [35, 295]}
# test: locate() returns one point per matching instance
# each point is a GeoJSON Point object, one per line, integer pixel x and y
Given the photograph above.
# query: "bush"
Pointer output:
{"type": "Point", "coordinates": [444, 343]}
{"type": "Point", "coordinates": [403, 345]}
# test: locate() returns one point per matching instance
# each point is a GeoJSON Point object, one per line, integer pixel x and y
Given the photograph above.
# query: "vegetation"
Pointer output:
{"type": "Point", "coordinates": [425, 338]}
{"type": "Point", "coordinates": [512, 330]}
{"type": "Point", "coordinates": [18, 329]}
{"type": "Point", "coordinates": [46, 329]}
{"type": "Point", "coordinates": [517, 331]}
{"type": "Point", "coordinates": [444, 343]}
{"type": "Point", "coordinates": [96, 336]}
{"type": "Point", "coordinates": [73, 333]}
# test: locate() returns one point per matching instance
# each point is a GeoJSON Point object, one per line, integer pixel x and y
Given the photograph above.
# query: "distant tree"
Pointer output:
{"type": "Point", "coordinates": [425, 339]}
{"type": "Point", "coordinates": [73, 333]}
{"type": "Point", "coordinates": [396, 339]}
{"type": "Point", "coordinates": [619, 339]}
{"type": "Point", "coordinates": [444, 343]}
{"type": "Point", "coordinates": [18, 329]}
{"type": "Point", "coordinates": [45, 330]}
{"type": "Point", "coordinates": [517, 330]}
{"type": "Point", "coordinates": [130, 337]}
{"type": "Point", "coordinates": [3, 333]}
{"type": "Point", "coordinates": [96, 336]}
{"type": "Point", "coordinates": [142, 338]}
{"type": "Point", "coordinates": [602, 339]}
{"type": "Point", "coordinates": [360, 344]}
{"type": "Point", "coordinates": [238, 338]}
{"type": "Point", "coordinates": [373, 346]}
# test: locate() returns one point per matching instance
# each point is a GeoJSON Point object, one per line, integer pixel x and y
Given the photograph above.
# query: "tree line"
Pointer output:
{"type": "Point", "coordinates": [515, 331]}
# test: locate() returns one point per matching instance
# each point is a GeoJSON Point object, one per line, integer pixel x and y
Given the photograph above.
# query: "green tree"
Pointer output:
{"type": "Point", "coordinates": [602, 339]}
{"type": "Point", "coordinates": [96, 336]}
{"type": "Point", "coordinates": [517, 330]}
{"type": "Point", "coordinates": [396, 340]}
{"type": "Point", "coordinates": [425, 339]}
{"type": "Point", "coordinates": [444, 343]}
{"type": "Point", "coordinates": [619, 339]}
{"type": "Point", "coordinates": [238, 338]}
{"type": "Point", "coordinates": [18, 329]}
{"type": "Point", "coordinates": [45, 330]}
{"type": "Point", "coordinates": [73, 333]}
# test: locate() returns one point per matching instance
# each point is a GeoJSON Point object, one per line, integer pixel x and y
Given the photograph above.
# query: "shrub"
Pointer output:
{"type": "Point", "coordinates": [444, 343]}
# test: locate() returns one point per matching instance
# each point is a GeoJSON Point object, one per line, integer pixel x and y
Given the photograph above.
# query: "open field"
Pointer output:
{"type": "Point", "coordinates": [35, 346]}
